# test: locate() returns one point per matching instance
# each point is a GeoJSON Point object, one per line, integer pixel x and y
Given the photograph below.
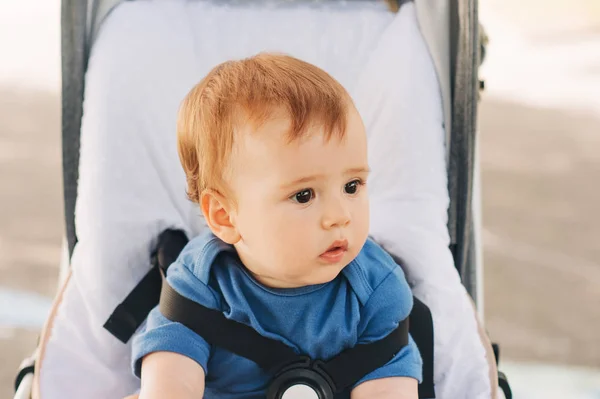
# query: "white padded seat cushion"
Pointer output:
{"type": "Point", "coordinates": [147, 56]}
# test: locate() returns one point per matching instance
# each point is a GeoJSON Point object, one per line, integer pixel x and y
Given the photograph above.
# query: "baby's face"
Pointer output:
{"type": "Point", "coordinates": [302, 207]}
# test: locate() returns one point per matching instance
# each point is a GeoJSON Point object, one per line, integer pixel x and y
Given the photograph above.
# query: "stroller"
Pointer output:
{"type": "Point", "coordinates": [125, 66]}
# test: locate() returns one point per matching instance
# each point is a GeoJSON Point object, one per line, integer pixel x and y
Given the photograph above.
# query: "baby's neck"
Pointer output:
{"type": "Point", "coordinates": [270, 282]}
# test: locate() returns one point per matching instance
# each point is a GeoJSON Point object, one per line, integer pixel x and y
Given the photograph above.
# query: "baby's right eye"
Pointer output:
{"type": "Point", "coordinates": [303, 196]}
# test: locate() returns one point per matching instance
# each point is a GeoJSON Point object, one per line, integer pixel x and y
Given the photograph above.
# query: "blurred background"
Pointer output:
{"type": "Point", "coordinates": [540, 154]}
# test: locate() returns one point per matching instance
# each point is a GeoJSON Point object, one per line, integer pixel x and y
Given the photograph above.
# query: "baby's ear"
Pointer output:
{"type": "Point", "coordinates": [217, 212]}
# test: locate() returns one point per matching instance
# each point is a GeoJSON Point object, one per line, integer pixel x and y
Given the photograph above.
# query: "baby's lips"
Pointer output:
{"type": "Point", "coordinates": [342, 244]}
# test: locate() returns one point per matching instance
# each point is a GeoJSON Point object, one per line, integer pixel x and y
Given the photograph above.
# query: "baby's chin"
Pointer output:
{"type": "Point", "coordinates": [319, 274]}
{"type": "Point", "coordinates": [324, 274]}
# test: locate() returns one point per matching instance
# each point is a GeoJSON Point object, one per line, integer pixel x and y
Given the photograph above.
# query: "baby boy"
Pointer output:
{"type": "Point", "coordinates": [275, 155]}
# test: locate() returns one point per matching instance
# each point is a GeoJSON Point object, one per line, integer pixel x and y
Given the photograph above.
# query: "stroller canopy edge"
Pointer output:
{"type": "Point", "coordinates": [464, 58]}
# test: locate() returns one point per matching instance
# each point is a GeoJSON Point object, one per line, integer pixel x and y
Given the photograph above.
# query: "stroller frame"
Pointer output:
{"type": "Point", "coordinates": [458, 78]}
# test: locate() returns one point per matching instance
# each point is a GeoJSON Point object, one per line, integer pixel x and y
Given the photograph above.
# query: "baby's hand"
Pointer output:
{"type": "Point", "coordinates": [132, 397]}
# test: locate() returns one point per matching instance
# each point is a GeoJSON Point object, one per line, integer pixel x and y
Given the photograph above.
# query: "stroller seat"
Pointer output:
{"type": "Point", "coordinates": [147, 55]}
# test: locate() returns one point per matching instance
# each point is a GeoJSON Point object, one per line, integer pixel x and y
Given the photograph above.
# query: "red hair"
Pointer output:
{"type": "Point", "coordinates": [251, 91]}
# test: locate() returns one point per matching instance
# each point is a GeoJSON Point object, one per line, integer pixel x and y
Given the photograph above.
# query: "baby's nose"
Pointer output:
{"type": "Point", "coordinates": [336, 215]}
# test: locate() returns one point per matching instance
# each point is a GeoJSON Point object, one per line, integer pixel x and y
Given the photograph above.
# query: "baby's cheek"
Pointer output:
{"type": "Point", "coordinates": [361, 224]}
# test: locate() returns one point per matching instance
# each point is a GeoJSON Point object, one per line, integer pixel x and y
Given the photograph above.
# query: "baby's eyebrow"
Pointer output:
{"type": "Point", "coordinates": [308, 179]}
{"type": "Point", "coordinates": [360, 169]}
{"type": "Point", "coordinates": [305, 179]}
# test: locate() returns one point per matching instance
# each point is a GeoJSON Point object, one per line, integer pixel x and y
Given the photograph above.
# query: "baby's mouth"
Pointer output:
{"type": "Point", "coordinates": [335, 252]}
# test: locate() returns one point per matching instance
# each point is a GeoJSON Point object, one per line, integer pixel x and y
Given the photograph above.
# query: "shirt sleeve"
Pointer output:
{"type": "Point", "coordinates": [390, 303]}
{"type": "Point", "coordinates": [162, 335]}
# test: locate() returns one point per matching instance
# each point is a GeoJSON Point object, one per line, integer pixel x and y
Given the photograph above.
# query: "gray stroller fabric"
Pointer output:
{"type": "Point", "coordinates": [80, 21]}
{"type": "Point", "coordinates": [461, 163]}
{"type": "Point", "coordinates": [74, 63]}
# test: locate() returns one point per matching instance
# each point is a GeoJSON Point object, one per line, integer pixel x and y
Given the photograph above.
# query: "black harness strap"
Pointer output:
{"type": "Point", "coordinates": [131, 313]}
{"type": "Point", "coordinates": [421, 330]}
{"type": "Point", "coordinates": [271, 355]}
{"type": "Point", "coordinates": [219, 331]}
{"type": "Point", "coordinates": [347, 368]}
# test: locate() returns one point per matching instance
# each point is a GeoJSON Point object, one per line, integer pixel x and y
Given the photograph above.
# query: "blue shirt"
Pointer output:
{"type": "Point", "coordinates": [364, 303]}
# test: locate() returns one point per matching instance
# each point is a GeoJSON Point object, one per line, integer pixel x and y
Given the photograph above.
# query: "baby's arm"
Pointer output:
{"type": "Point", "coordinates": [390, 303]}
{"type": "Point", "coordinates": [387, 388]}
{"type": "Point", "coordinates": [171, 375]}
{"type": "Point", "coordinates": [171, 359]}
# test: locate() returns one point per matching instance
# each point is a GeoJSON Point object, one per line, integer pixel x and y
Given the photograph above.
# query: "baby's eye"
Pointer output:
{"type": "Point", "coordinates": [352, 187]}
{"type": "Point", "coordinates": [304, 196]}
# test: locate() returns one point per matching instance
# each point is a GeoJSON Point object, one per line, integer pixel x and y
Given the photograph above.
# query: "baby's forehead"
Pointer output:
{"type": "Point", "coordinates": [278, 124]}
{"type": "Point", "coordinates": [268, 150]}
{"type": "Point", "coordinates": [275, 137]}
{"type": "Point", "coordinates": [278, 132]}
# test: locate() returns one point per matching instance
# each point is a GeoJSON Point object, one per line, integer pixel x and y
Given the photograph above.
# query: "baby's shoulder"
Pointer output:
{"type": "Point", "coordinates": [373, 269]}
{"type": "Point", "coordinates": [201, 253]}
{"type": "Point", "coordinates": [189, 275]}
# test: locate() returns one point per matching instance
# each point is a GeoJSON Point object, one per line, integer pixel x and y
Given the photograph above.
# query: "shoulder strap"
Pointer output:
{"type": "Point", "coordinates": [131, 313]}
{"type": "Point", "coordinates": [421, 330]}
{"type": "Point", "coordinates": [219, 331]}
{"type": "Point", "coordinates": [344, 370]}
{"type": "Point", "coordinates": [347, 368]}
